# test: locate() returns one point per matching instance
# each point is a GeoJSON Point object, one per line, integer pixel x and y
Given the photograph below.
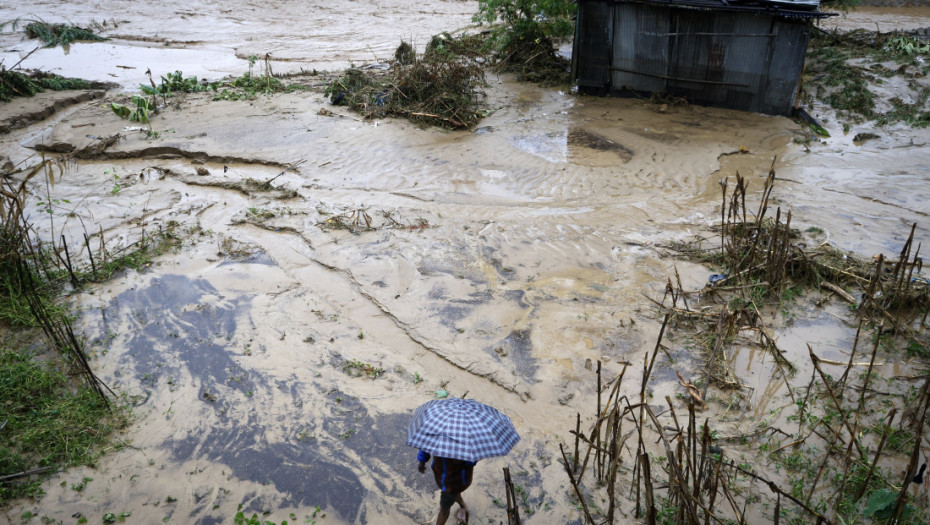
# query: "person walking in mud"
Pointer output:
{"type": "Point", "coordinates": [453, 476]}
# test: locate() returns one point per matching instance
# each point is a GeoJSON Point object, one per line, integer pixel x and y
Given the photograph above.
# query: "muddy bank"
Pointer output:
{"type": "Point", "coordinates": [500, 264]}
{"type": "Point", "coordinates": [883, 17]}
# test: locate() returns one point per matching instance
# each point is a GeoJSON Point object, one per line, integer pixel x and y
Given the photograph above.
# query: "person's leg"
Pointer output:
{"type": "Point", "coordinates": [442, 516]}
{"type": "Point", "coordinates": [445, 506]}
{"type": "Point", "coordinates": [462, 514]}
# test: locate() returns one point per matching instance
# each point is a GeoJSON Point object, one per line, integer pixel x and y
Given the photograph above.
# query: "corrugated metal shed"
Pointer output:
{"type": "Point", "coordinates": [711, 52]}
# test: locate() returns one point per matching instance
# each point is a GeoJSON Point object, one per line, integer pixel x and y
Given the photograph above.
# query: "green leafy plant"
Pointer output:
{"type": "Point", "coordinates": [524, 42]}
{"type": "Point", "coordinates": [177, 83]}
{"type": "Point", "coordinates": [78, 487]}
{"type": "Point", "coordinates": [907, 45]}
{"type": "Point", "coordinates": [553, 17]}
{"type": "Point", "coordinates": [111, 517]}
{"type": "Point", "coordinates": [139, 110]}
{"type": "Point", "coordinates": [116, 185]}
{"type": "Point", "coordinates": [881, 505]}
{"type": "Point", "coordinates": [249, 85]}
{"type": "Point", "coordinates": [369, 369]}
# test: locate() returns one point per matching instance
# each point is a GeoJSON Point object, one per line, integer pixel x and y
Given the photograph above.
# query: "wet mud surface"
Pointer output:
{"type": "Point", "coordinates": [497, 264]}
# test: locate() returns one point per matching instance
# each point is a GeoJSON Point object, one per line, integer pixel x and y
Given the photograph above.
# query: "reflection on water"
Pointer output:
{"type": "Point", "coordinates": [551, 146]}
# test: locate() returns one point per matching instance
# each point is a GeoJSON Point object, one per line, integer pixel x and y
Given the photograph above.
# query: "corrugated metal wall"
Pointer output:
{"type": "Point", "coordinates": [744, 60]}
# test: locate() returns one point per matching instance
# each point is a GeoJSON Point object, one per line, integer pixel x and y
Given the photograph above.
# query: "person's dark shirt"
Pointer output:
{"type": "Point", "coordinates": [452, 475]}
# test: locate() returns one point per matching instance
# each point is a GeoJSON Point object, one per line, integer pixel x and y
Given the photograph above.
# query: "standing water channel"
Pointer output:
{"type": "Point", "coordinates": [274, 359]}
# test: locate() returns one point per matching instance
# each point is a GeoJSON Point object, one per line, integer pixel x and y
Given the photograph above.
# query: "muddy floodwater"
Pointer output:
{"type": "Point", "coordinates": [497, 263]}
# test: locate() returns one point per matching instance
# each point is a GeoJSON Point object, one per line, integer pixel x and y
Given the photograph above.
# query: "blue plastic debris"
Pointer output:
{"type": "Point", "coordinates": [716, 278]}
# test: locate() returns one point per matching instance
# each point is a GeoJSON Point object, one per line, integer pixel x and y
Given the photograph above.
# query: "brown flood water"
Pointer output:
{"type": "Point", "coordinates": [500, 262]}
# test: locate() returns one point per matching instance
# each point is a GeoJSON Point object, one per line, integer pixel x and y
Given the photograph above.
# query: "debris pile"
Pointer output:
{"type": "Point", "coordinates": [440, 89]}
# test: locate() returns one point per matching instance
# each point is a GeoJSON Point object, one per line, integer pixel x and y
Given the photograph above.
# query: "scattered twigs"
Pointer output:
{"type": "Point", "coordinates": [290, 167]}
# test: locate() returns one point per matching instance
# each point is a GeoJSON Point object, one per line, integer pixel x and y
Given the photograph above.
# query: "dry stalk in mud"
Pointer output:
{"type": "Point", "coordinates": [852, 449]}
{"type": "Point", "coordinates": [841, 417]}
{"type": "Point", "coordinates": [701, 487]}
{"type": "Point", "coordinates": [896, 292]}
{"type": "Point", "coordinates": [763, 256]}
{"type": "Point", "coordinates": [28, 277]}
{"type": "Point", "coordinates": [674, 470]}
{"type": "Point", "coordinates": [513, 508]}
{"type": "Point", "coordinates": [721, 332]}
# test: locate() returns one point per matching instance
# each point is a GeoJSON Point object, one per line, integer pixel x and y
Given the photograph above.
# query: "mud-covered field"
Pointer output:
{"type": "Point", "coordinates": [274, 358]}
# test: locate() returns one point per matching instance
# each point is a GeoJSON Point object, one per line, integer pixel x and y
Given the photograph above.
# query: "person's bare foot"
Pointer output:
{"type": "Point", "coordinates": [462, 515]}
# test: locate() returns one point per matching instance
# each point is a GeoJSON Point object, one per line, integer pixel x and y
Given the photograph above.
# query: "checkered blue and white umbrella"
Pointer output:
{"type": "Point", "coordinates": [461, 429]}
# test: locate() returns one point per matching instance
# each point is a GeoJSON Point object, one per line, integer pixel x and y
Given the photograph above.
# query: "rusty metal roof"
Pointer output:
{"type": "Point", "coordinates": [803, 9]}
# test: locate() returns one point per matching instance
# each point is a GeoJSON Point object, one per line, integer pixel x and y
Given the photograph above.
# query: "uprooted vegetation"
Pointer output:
{"type": "Point", "coordinates": [764, 255]}
{"type": "Point", "coordinates": [26, 84]}
{"type": "Point", "coordinates": [443, 86]}
{"type": "Point", "coordinates": [358, 220]}
{"type": "Point", "coordinates": [141, 108]}
{"type": "Point", "coordinates": [55, 34]}
{"type": "Point", "coordinates": [844, 69]}
{"type": "Point", "coordinates": [841, 447]}
{"type": "Point", "coordinates": [439, 89]}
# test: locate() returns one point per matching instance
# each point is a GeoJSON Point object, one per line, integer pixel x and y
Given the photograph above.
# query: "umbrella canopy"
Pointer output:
{"type": "Point", "coordinates": [461, 429]}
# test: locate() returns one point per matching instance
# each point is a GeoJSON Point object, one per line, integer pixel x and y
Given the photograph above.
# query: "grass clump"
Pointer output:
{"type": "Point", "coordinates": [20, 84]}
{"type": "Point", "coordinates": [14, 306]}
{"type": "Point", "coordinates": [55, 34]}
{"type": "Point", "coordinates": [249, 85]}
{"type": "Point", "coordinates": [441, 88]}
{"type": "Point", "coordinates": [50, 423]}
